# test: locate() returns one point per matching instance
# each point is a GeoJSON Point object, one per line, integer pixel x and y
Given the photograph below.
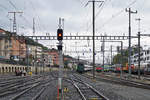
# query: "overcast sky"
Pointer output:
{"type": "Point", "coordinates": [111, 19]}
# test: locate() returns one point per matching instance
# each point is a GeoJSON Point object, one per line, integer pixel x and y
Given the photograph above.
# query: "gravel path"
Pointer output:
{"type": "Point", "coordinates": [72, 93]}
{"type": "Point", "coordinates": [119, 92]}
{"type": "Point", "coordinates": [110, 90]}
{"type": "Point", "coordinates": [50, 93]}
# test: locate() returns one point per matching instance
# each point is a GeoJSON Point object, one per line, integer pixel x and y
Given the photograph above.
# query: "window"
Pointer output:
{"type": "Point", "coordinates": [6, 46]}
{"type": "Point", "coordinates": [147, 58]}
{"type": "Point", "coordinates": [141, 54]}
{"type": "Point", "coordinates": [147, 51]}
{"type": "Point", "coordinates": [141, 59]}
{"type": "Point", "coordinates": [134, 56]}
{"type": "Point", "coordinates": [10, 41]}
{"type": "Point", "coordinates": [6, 40]}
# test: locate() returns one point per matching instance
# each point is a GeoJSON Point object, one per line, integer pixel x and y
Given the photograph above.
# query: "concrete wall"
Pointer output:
{"type": "Point", "coordinates": [7, 68]}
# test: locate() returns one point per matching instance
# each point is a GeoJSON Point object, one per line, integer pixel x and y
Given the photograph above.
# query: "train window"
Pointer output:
{"type": "Point", "coordinates": [134, 56]}
{"type": "Point", "coordinates": [148, 65]}
{"type": "Point", "coordinates": [147, 51]}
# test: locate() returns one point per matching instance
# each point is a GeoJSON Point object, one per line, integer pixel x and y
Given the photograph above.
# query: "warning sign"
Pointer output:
{"type": "Point", "coordinates": [65, 89]}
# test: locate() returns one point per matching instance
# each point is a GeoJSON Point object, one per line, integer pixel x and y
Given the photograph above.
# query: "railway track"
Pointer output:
{"type": "Point", "coordinates": [18, 89]}
{"type": "Point", "coordinates": [33, 92]}
{"type": "Point", "coordinates": [86, 91]}
{"type": "Point", "coordinates": [17, 81]}
{"type": "Point", "coordinates": [125, 82]}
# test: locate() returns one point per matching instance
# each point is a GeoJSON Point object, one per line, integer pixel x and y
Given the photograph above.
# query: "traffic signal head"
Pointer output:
{"type": "Point", "coordinates": [59, 34]}
{"type": "Point", "coordinates": [59, 47]}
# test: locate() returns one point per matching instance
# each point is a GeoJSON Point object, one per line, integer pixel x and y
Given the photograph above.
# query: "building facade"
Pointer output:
{"type": "Point", "coordinates": [18, 48]}
{"type": "Point", "coordinates": [53, 57]}
{"type": "Point", "coordinates": [144, 57]}
{"type": "Point", "coordinates": [12, 46]}
{"type": "Point", "coordinates": [5, 45]}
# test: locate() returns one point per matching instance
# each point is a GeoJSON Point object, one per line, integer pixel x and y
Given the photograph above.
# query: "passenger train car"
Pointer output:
{"type": "Point", "coordinates": [144, 68]}
{"type": "Point", "coordinates": [83, 68]}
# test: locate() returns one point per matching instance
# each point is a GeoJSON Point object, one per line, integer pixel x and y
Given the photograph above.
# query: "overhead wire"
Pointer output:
{"type": "Point", "coordinates": [40, 25]}
{"type": "Point", "coordinates": [4, 24]}
{"type": "Point", "coordinates": [82, 2]}
{"type": "Point", "coordinates": [101, 6]}
{"type": "Point", "coordinates": [12, 4]}
{"type": "Point", "coordinates": [117, 14]}
{"type": "Point", "coordinates": [23, 17]}
{"type": "Point", "coordinates": [3, 7]}
{"type": "Point", "coordinates": [86, 15]}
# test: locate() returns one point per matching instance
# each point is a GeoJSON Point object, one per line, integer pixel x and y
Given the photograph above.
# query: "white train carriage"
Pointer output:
{"type": "Point", "coordinates": [143, 67]}
{"type": "Point", "coordinates": [88, 67]}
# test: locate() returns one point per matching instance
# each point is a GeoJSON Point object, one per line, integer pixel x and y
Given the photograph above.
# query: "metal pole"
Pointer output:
{"type": "Point", "coordinates": [111, 54]}
{"type": "Point", "coordinates": [36, 59]}
{"type": "Point", "coordinates": [121, 67]}
{"type": "Point", "coordinates": [61, 66]}
{"type": "Point", "coordinates": [59, 23]}
{"type": "Point", "coordinates": [103, 53]}
{"type": "Point", "coordinates": [93, 1]}
{"type": "Point", "coordinates": [130, 40]}
{"type": "Point", "coordinates": [93, 39]}
{"type": "Point", "coordinates": [139, 36]}
{"type": "Point", "coordinates": [10, 24]}
{"type": "Point", "coordinates": [19, 48]}
{"type": "Point", "coordinates": [63, 20]}
{"type": "Point", "coordinates": [139, 61]}
{"type": "Point", "coordinates": [33, 27]}
{"type": "Point", "coordinates": [43, 61]}
{"type": "Point", "coordinates": [14, 22]}
{"type": "Point", "coordinates": [121, 59]}
{"type": "Point", "coordinates": [27, 58]}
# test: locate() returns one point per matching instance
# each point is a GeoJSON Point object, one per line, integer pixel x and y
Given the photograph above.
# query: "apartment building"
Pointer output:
{"type": "Point", "coordinates": [18, 48]}
{"type": "Point", "coordinates": [53, 57]}
{"type": "Point", "coordinates": [32, 50]}
{"type": "Point", "coordinates": [144, 57]}
{"type": "Point", "coordinates": [12, 47]}
{"type": "Point", "coordinates": [5, 45]}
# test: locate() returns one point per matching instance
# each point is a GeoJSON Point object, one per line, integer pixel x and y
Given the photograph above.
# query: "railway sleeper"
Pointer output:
{"type": "Point", "coordinates": [84, 88]}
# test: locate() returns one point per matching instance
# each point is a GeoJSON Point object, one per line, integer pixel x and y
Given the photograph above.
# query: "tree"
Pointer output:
{"type": "Point", "coordinates": [117, 58]}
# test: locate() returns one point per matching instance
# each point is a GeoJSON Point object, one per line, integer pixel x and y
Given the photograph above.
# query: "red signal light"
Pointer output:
{"type": "Point", "coordinates": [59, 34]}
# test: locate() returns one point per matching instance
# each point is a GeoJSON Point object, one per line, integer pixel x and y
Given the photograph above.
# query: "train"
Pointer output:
{"type": "Point", "coordinates": [144, 68]}
{"type": "Point", "coordinates": [106, 68]}
{"type": "Point", "coordinates": [83, 68]}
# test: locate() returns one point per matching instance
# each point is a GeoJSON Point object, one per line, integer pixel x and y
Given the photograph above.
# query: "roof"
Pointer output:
{"type": "Point", "coordinates": [2, 30]}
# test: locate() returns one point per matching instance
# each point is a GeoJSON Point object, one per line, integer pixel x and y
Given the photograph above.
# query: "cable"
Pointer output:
{"type": "Point", "coordinates": [3, 7]}
{"type": "Point", "coordinates": [12, 5]}
{"type": "Point", "coordinates": [101, 8]}
{"type": "Point", "coordinates": [25, 20]}
{"type": "Point", "coordinates": [37, 15]}
{"type": "Point", "coordinates": [82, 4]}
{"type": "Point", "coordinates": [117, 14]}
